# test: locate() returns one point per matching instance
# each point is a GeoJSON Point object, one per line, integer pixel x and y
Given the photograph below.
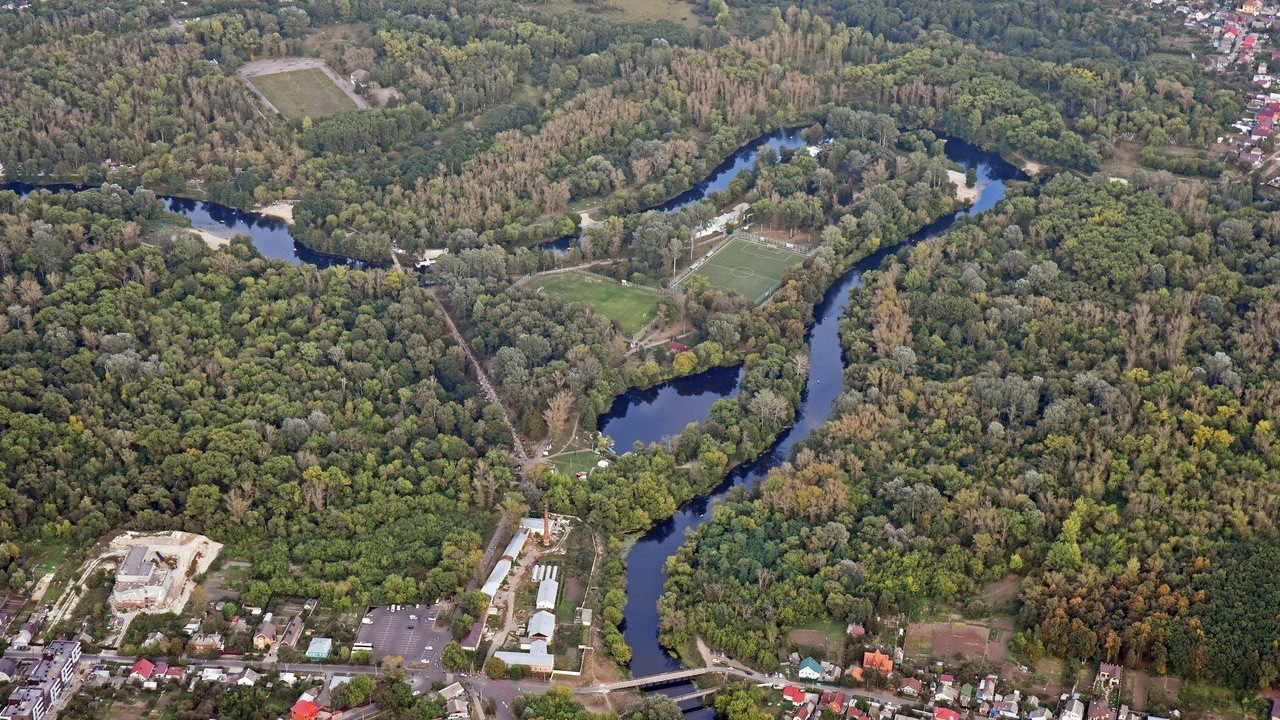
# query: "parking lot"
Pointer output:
{"type": "Point", "coordinates": [408, 631]}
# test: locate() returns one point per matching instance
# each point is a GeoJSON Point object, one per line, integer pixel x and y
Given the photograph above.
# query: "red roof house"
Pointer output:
{"type": "Point", "coordinates": [876, 660]}
{"type": "Point", "coordinates": [304, 710]}
{"type": "Point", "coordinates": [142, 669]}
{"type": "Point", "coordinates": [794, 694]}
{"type": "Point", "coordinates": [945, 714]}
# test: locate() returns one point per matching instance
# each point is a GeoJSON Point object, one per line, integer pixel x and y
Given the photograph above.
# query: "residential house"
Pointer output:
{"type": "Point", "coordinates": [213, 674]}
{"type": "Point", "coordinates": [856, 630]}
{"type": "Point", "coordinates": [809, 670]}
{"type": "Point", "coordinates": [8, 670]}
{"type": "Point", "coordinates": [452, 691]}
{"type": "Point", "coordinates": [292, 631]}
{"type": "Point", "coordinates": [304, 710]}
{"type": "Point", "coordinates": [249, 678]}
{"type": "Point", "coordinates": [142, 670]}
{"type": "Point", "coordinates": [793, 694]}
{"type": "Point", "coordinates": [1040, 713]}
{"type": "Point", "coordinates": [876, 660]}
{"type": "Point", "coordinates": [987, 689]}
{"type": "Point", "coordinates": [946, 693]}
{"type": "Point", "coordinates": [320, 648]}
{"type": "Point", "coordinates": [945, 714]}
{"type": "Point", "coordinates": [966, 696]}
{"type": "Point", "coordinates": [1099, 710]}
{"type": "Point", "coordinates": [911, 687]}
{"type": "Point", "coordinates": [1109, 676]}
{"type": "Point", "coordinates": [804, 712]}
{"type": "Point", "coordinates": [205, 642]}
{"type": "Point", "coordinates": [1007, 708]}
{"type": "Point", "coordinates": [855, 672]}
{"type": "Point", "coordinates": [266, 634]}
{"type": "Point", "coordinates": [834, 701]}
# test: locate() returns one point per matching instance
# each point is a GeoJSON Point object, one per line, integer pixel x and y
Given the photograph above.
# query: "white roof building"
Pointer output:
{"type": "Point", "coordinates": [516, 545]}
{"type": "Point", "coordinates": [537, 658]}
{"type": "Point", "coordinates": [548, 590]}
{"type": "Point", "coordinates": [496, 577]}
{"type": "Point", "coordinates": [542, 626]}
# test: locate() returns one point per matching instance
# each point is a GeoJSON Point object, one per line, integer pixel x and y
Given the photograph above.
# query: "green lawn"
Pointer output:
{"type": "Point", "coordinates": [580, 461]}
{"type": "Point", "coordinates": [630, 306]}
{"type": "Point", "coordinates": [303, 93]}
{"type": "Point", "coordinates": [748, 267]}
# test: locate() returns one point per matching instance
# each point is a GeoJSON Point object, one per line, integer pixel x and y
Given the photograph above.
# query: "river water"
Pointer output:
{"type": "Point", "coordinates": [744, 158]}
{"type": "Point", "coordinates": [661, 412]}
{"type": "Point", "coordinates": [270, 235]}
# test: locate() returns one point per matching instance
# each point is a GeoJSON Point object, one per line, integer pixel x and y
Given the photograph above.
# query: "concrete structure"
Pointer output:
{"type": "Point", "coordinates": [537, 659]}
{"type": "Point", "coordinates": [143, 580]}
{"type": "Point", "coordinates": [46, 682]}
{"type": "Point", "coordinates": [491, 586]}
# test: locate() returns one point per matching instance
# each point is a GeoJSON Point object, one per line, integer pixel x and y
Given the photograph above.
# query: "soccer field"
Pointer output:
{"type": "Point", "coordinates": [632, 307]}
{"type": "Point", "coordinates": [303, 93]}
{"type": "Point", "coordinates": [748, 267]}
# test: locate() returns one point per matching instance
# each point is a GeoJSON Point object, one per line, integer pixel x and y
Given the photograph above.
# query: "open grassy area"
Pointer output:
{"type": "Point", "coordinates": [630, 306]}
{"type": "Point", "coordinates": [303, 93]}
{"type": "Point", "coordinates": [580, 461]}
{"type": "Point", "coordinates": [748, 267]}
{"type": "Point", "coordinates": [677, 11]}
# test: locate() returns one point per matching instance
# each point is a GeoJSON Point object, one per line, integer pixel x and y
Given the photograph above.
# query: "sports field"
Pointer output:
{"type": "Point", "coordinates": [632, 307]}
{"type": "Point", "coordinates": [303, 93]}
{"type": "Point", "coordinates": [750, 268]}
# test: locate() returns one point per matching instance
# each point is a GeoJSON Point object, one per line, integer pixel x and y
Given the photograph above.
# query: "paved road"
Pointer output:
{"type": "Point", "coordinates": [500, 692]}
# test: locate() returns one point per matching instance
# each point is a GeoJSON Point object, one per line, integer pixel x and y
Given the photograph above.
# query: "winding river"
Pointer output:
{"type": "Point", "coordinates": [661, 412]}
{"type": "Point", "coordinates": [270, 235]}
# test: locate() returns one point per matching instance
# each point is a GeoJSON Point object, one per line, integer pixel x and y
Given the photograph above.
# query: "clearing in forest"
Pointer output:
{"type": "Point", "coordinates": [630, 306]}
{"type": "Point", "coordinates": [304, 91]}
{"type": "Point", "coordinates": [751, 268]}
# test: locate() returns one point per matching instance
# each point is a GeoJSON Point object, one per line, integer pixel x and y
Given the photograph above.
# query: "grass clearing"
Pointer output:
{"type": "Point", "coordinates": [748, 267]}
{"type": "Point", "coordinates": [677, 11]}
{"type": "Point", "coordinates": [630, 306]}
{"type": "Point", "coordinates": [574, 462]}
{"type": "Point", "coordinates": [303, 93]}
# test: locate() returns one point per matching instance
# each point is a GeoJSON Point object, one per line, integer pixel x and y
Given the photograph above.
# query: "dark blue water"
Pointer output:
{"type": "Point", "coordinates": [664, 415]}
{"type": "Point", "coordinates": [744, 158]}
{"type": "Point", "coordinates": [270, 235]}
{"type": "Point", "coordinates": [662, 411]}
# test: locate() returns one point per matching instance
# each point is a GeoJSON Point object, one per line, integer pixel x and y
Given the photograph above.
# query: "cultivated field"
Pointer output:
{"type": "Point", "coordinates": [630, 306]}
{"type": "Point", "coordinates": [750, 268]}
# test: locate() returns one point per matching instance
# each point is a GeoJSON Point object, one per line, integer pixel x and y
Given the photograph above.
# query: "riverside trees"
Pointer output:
{"type": "Point", "coordinates": [1087, 404]}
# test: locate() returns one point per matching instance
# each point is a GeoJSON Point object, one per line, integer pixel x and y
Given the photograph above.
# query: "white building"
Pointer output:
{"type": "Point", "coordinates": [536, 659]}
{"type": "Point", "coordinates": [548, 591]}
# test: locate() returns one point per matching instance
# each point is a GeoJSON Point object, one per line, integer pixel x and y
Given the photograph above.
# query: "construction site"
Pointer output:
{"type": "Point", "coordinates": [155, 573]}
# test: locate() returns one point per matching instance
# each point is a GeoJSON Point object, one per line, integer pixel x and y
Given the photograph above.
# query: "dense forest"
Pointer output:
{"type": "Point", "coordinates": [151, 383]}
{"type": "Point", "coordinates": [1080, 389]}
{"type": "Point", "coordinates": [503, 117]}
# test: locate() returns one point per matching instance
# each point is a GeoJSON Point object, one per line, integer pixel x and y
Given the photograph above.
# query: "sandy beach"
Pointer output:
{"type": "Point", "coordinates": [964, 193]}
{"type": "Point", "coordinates": [210, 238]}
{"type": "Point", "coordinates": [282, 209]}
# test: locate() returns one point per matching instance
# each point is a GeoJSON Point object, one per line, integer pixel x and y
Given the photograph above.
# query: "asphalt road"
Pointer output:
{"type": "Point", "coordinates": [501, 692]}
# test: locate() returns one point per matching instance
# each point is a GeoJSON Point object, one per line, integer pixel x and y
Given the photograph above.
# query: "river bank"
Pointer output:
{"type": "Point", "coordinates": [647, 557]}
